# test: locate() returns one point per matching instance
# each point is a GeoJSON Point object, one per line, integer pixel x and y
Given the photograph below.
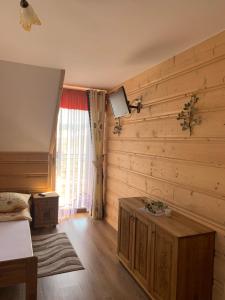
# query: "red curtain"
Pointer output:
{"type": "Point", "coordinates": [73, 99]}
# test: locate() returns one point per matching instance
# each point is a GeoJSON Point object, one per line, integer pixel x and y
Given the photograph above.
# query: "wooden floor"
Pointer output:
{"type": "Point", "coordinates": [103, 278]}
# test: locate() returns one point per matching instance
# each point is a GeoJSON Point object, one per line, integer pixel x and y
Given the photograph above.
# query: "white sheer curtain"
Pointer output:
{"type": "Point", "coordinates": [73, 160]}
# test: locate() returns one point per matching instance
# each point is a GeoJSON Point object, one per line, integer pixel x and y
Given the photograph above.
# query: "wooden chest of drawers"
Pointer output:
{"type": "Point", "coordinates": [45, 210]}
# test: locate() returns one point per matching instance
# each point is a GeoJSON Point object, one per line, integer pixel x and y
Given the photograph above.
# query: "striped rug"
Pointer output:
{"type": "Point", "coordinates": [55, 254]}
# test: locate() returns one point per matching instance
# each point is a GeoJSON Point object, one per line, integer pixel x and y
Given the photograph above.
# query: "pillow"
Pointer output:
{"type": "Point", "coordinates": [11, 202]}
{"type": "Point", "coordinates": [16, 216]}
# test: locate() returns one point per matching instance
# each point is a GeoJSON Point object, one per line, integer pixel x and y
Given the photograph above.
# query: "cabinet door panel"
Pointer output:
{"type": "Point", "coordinates": [164, 265]}
{"type": "Point", "coordinates": [142, 250]}
{"type": "Point", "coordinates": [125, 235]}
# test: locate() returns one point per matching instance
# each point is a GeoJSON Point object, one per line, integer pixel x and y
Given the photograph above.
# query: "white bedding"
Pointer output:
{"type": "Point", "coordinates": [15, 240]}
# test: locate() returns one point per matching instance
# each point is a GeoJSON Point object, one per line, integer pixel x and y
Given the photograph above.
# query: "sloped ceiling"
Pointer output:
{"type": "Point", "coordinates": [102, 43]}
{"type": "Point", "coordinates": [29, 97]}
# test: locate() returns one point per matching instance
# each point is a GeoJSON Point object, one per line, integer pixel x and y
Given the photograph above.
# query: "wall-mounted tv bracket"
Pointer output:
{"type": "Point", "coordinates": [138, 106]}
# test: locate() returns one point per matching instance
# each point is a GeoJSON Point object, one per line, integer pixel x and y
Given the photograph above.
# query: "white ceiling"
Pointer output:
{"type": "Point", "coordinates": [101, 43]}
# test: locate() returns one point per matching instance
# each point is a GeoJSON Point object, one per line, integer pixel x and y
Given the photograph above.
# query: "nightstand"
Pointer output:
{"type": "Point", "coordinates": [45, 210]}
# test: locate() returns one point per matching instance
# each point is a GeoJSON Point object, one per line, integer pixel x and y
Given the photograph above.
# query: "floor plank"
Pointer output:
{"type": "Point", "coordinates": [104, 278]}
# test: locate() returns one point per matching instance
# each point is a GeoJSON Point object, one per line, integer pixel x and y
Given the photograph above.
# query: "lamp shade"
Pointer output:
{"type": "Point", "coordinates": [28, 17]}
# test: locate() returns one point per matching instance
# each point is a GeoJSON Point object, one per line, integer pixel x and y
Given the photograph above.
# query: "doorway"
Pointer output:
{"type": "Point", "coordinates": [73, 154]}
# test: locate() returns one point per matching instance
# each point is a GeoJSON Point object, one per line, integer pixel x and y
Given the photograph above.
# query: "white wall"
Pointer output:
{"type": "Point", "coordinates": [28, 101]}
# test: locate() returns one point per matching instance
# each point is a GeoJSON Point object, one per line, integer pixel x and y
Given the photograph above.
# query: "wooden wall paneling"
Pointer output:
{"type": "Point", "coordinates": [188, 150]}
{"type": "Point", "coordinates": [174, 194]}
{"type": "Point", "coordinates": [211, 100]}
{"type": "Point", "coordinates": [190, 175]}
{"type": "Point", "coordinates": [204, 53]}
{"type": "Point", "coordinates": [212, 126]}
{"type": "Point", "coordinates": [52, 170]}
{"type": "Point", "coordinates": [153, 157]}
{"type": "Point", "coordinates": [24, 172]}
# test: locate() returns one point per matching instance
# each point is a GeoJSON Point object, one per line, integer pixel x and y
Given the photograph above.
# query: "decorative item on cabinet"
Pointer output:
{"type": "Point", "coordinates": [171, 258]}
{"type": "Point", "coordinates": [155, 207]}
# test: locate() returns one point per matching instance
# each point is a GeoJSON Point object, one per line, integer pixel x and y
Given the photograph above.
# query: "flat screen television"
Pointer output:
{"type": "Point", "coordinates": [119, 103]}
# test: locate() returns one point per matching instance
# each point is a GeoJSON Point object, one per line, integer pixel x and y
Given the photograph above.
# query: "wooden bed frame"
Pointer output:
{"type": "Point", "coordinates": [17, 271]}
{"type": "Point", "coordinates": [23, 172]}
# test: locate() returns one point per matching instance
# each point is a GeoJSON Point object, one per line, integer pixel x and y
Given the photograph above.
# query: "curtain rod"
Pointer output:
{"type": "Point", "coordinates": [81, 88]}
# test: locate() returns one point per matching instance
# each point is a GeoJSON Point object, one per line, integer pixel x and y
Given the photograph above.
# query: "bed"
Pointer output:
{"type": "Point", "coordinates": [17, 262]}
{"type": "Point", "coordinates": [22, 172]}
